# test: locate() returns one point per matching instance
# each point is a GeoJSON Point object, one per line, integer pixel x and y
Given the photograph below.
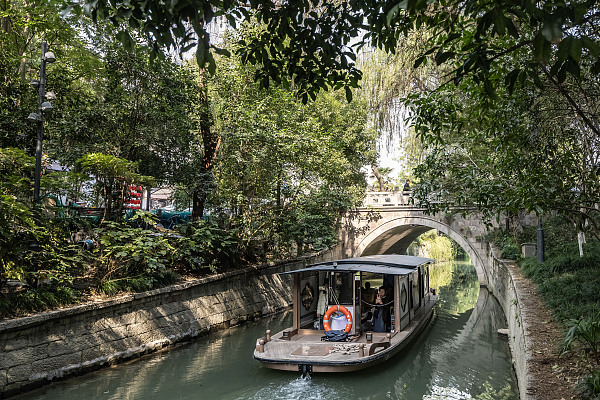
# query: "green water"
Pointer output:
{"type": "Point", "coordinates": [459, 356]}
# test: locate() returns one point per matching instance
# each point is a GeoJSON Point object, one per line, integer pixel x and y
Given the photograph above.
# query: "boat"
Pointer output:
{"type": "Point", "coordinates": [362, 326]}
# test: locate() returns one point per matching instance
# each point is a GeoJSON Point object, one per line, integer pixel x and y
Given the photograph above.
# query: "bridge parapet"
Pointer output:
{"type": "Point", "coordinates": [387, 199]}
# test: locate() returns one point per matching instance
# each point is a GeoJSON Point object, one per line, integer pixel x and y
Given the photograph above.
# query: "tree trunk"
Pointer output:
{"type": "Point", "coordinates": [148, 196]}
{"type": "Point", "coordinates": [211, 143]}
{"type": "Point", "coordinates": [23, 63]}
{"type": "Point", "coordinates": [108, 202]}
{"type": "Point", "coordinates": [379, 177]}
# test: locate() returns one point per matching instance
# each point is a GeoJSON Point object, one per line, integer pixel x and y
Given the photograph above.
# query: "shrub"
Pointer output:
{"type": "Point", "coordinates": [507, 243]}
{"type": "Point", "coordinates": [36, 300]}
{"type": "Point", "coordinates": [585, 331]}
{"type": "Point", "coordinates": [589, 387]}
{"type": "Point", "coordinates": [137, 257]}
{"type": "Point", "coordinates": [511, 252]}
{"type": "Point", "coordinates": [206, 245]}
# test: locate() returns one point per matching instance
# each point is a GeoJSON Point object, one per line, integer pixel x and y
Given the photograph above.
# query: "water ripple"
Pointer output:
{"type": "Point", "coordinates": [298, 389]}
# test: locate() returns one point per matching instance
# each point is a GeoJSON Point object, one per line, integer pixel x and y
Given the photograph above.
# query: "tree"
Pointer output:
{"type": "Point", "coordinates": [518, 42]}
{"type": "Point", "coordinates": [128, 107]}
{"type": "Point", "coordinates": [523, 152]}
{"type": "Point", "coordinates": [286, 171]}
{"type": "Point", "coordinates": [305, 43]}
{"type": "Point", "coordinates": [23, 26]}
{"type": "Point", "coordinates": [309, 41]}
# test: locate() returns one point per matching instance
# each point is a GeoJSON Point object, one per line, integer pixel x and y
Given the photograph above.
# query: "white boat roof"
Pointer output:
{"type": "Point", "coordinates": [389, 264]}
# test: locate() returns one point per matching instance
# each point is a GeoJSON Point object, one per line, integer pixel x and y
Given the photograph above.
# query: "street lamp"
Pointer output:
{"type": "Point", "coordinates": [43, 105]}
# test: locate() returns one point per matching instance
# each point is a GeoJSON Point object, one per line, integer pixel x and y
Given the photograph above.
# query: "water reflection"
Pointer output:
{"type": "Point", "coordinates": [459, 356]}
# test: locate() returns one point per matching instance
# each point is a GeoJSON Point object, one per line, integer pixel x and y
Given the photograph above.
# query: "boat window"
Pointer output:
{"type": "Point", "coordinates": [374, 282]}
{"type": "Point", "coordinates": [370, 283]}
{"type": "Point", "coordinates": [343, 285]}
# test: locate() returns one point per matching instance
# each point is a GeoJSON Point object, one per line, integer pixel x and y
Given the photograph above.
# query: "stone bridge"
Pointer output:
{"type": "Point", "coordinates": [397, 224]}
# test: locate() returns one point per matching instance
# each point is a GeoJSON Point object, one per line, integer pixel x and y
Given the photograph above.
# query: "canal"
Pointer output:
{"type": "Point", "coordinates": [459, 356]}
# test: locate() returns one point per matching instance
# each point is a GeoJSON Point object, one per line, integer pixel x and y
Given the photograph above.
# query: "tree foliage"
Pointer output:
{"type": "Point", "coordinates": [286, 171]}
{"type": "Point", "coordinates": [310, 42]}
{"type": "Point", "coordinates": [523, 152]}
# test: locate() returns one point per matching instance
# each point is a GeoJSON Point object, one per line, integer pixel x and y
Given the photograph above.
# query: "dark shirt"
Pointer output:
{"type": "Point", "coordinates": [384, 309]}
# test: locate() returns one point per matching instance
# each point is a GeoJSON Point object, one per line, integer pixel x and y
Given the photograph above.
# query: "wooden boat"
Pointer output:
{"type": "Point", "coordinates": [358, 338]}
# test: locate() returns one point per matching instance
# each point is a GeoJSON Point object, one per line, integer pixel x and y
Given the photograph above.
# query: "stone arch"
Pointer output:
{"type": "Point", "coordinates": [395, 235]}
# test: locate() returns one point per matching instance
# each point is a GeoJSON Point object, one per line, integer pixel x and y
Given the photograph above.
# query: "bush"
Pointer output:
{"type": "Point", "coordinates": [134, 255]}
{"type": "Point", "coordinates": [585, 331]}
{"type": "Point", "coordinates": [507, 243]}
{"type": "Point", "coordinates": [206, 245]}
{"type": "Point", "coordinates": [35, 300]}
{"type": "Point", "coordinates": [589, 387]}
{"type": "Point", "coordinates": [511, 252]}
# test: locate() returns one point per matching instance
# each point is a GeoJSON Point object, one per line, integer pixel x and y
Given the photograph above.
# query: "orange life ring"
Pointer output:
{"type": "Point", "coordinates": [333, 309]}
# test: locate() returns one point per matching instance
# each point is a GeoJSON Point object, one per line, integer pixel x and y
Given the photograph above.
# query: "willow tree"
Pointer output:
{"type": "Point", "coordinates": [388, 79]}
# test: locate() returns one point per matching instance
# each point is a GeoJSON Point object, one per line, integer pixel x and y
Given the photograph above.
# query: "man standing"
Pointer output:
{"type": "Point", "coordinates": [406, 192]}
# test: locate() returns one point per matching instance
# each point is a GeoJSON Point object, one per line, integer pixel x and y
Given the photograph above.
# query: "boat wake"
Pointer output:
{"type": "Point", "coordinates": [298, 389]}
{"type": "Point", "coordinates": [446, 393]}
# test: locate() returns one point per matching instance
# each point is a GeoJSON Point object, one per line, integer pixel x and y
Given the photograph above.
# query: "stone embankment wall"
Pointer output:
{"type": "Point", "coordinates": [504, 284]}
{"type": "Point", "coordinates": [38, 349]}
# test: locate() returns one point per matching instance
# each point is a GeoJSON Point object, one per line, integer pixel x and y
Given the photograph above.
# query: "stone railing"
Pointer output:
{"type": "Point", "coordinates": [386, 199]}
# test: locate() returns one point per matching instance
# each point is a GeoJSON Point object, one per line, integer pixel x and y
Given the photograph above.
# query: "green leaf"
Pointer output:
{"type": "Point", "coordinates": [511, 79]}
{"type": "Point", "coordinates": [125, 39]}
{"type": "Point", "coordinates": [500, 25]}
{"type": "Point", "coordinates": [552, 28]}
{"type": "Point", "coordinates": [579, 12]}
{"type": "Point", "coordinates": [591, 45]}
{"type": "Point", "coordinates": [564, 49]}
{"type": "Point", "coordinates": [537, 81]}
{"type": "Point", "coordinates": [394, 11]}
{"type": "Point", "coordinates": [573, 68]}
{"type": "Point", "coordinates": [541, 48]}
{"type": "Point", "coordinates": [348, 94]}
{"type": "Point", "coordinates": [442, 56]}
{"type": "Point", "coordinates": [419, 61]}
{"type": "Point", "coordinates": [212, 65]}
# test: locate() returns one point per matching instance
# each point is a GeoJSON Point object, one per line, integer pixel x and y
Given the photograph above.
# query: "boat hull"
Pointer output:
{"type": "Point", "coordinates": [309, 353]}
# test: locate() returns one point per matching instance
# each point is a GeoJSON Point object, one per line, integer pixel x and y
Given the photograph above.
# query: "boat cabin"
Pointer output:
{"type": "Point", "coordinates": [355, 283]}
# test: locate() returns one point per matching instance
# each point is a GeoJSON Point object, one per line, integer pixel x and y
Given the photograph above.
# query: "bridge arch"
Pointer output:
{"type": "Point", "coordinates": [395, 235]}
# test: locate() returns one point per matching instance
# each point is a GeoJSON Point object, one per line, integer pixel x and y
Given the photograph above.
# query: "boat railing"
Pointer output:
{"type": "Point", "coordinates": [375, 346]}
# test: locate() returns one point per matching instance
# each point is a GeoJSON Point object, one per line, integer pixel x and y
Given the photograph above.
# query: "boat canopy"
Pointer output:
{"type": "Point", "coordinates": [393, 264]}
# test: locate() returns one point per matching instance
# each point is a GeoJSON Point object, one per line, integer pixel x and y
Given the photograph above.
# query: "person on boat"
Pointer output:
{"type": "Point", "coordinates": [368, 295]}
{"type": "Point", "coordinates": [382, 317]}
{"type": "Point", "coordinates": [323, 302]}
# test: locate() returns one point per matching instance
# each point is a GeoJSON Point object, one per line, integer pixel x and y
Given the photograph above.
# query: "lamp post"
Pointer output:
{"type": "Point", "coordinates": [540, 241]}
{"type": "Point", "coordinates": [47, 57]}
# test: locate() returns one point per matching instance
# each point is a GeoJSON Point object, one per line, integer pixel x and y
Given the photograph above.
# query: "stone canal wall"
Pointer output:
{"type": "Point", "coordinates": [37, 349]}
{"type": "Point", "coordinates": [504, 284]}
